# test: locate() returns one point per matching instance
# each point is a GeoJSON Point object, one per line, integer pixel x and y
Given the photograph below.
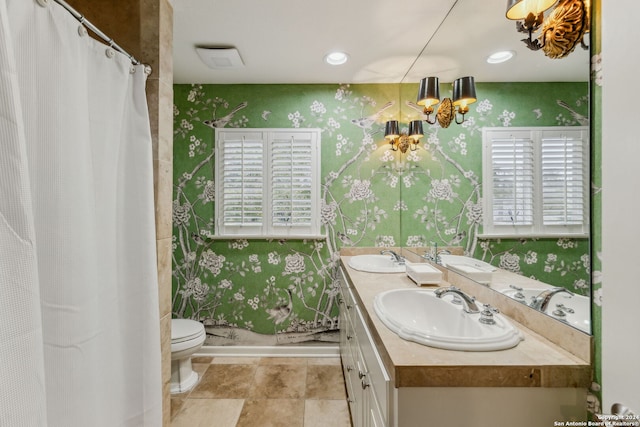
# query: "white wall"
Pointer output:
{"type": "Point", "coordinates": [620, 205]}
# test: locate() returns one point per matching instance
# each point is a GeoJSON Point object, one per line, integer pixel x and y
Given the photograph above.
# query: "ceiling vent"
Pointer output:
{"type": "Point", "coordinates": [220, 58]}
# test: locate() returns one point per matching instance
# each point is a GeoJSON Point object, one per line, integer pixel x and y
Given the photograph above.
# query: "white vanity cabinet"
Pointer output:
{"type": "Point", "coordinates": [368, 384]}
{"type": "Point", "coordinates": [534, 384]}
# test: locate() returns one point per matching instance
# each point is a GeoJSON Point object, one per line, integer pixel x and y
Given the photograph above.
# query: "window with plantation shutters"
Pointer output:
{"type": "Point", "coordinates": [267, 182]}
{"type": "Point", "coordinates": [535, 182]}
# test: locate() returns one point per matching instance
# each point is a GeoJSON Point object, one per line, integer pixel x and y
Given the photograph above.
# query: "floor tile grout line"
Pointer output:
{"type": "Point", "coordinates": [305, 399]}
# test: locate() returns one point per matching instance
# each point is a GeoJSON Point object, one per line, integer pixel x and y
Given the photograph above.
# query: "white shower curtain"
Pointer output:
{"type": "Point", "coordinates": [79, 322]}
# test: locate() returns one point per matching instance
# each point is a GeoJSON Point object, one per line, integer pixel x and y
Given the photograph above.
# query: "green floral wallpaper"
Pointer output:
{"type": "Point", "coordinates": [595, 395]}
{"type": "Point", "coordinates": [442, 197]}
{"type": "Point", "coordinates": [284, 291]}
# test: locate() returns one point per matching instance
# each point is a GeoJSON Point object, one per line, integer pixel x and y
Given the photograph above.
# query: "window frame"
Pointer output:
{"type": "Point", "coordinates": [231, 143]}
{"type": "Point", "coordinates": [536, 228]}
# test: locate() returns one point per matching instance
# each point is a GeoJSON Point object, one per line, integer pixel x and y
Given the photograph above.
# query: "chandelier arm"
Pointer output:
{"type": "Point", "coordinates": [431, 122]}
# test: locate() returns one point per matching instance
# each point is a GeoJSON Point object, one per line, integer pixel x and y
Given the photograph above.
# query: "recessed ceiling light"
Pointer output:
{"type": "Point", "coordinates": [502, 56]}
{"type": "Point", "coordinates": [336, 58]}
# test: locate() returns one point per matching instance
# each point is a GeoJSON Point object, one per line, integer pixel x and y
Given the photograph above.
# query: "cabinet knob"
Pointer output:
{"type": "Point", "coordinates": [364, 384]}
{"type": "Point", "coordinates": [361, 375]}
{"type": "Point", "coordinates": [349, 337]}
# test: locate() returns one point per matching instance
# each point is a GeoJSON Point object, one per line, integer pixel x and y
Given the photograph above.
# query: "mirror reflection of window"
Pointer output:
{"type": "Point", "coordinates": [535, 182]}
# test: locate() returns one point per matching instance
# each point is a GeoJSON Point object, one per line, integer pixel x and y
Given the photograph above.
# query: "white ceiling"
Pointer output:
{"type": "Point", "coordinates": [285, 41]}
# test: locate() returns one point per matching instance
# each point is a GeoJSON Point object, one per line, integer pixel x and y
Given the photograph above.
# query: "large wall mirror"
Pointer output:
{"type": "Point", "coordinates": [442, 180]}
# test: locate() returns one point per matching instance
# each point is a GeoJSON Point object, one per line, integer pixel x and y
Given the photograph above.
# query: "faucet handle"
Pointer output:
{"type": "Point", "coordinates": [565, 308]}
{"type": "Point", "coordinates": [562, 310]}
{"type": "Point", "coordinates": [486, 315]}
{"type": "Point", "coordinates": [518, 295]}
{"type": "Point", "coordinates": [489, 308]}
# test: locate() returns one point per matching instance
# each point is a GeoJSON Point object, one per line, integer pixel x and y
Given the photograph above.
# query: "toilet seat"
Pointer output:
{"type": "Point", "coordinates": [185, 330]}
{"type": "Point", "coordinates": [185, 334]}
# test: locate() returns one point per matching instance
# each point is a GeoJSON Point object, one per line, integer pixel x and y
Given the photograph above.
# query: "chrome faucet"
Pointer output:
{"type": "Point", "coordinates": [397, 258]}
{"type": "Point", "coordinates": [468, 302]}
{"type": "Point", "coordinates": [541, 302]}
{"type": "Point", "coordinates": [435, 253]}
{"type": "Point", "coordinates": [443, 252]}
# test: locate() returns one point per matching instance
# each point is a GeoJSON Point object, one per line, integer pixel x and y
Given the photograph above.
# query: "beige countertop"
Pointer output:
{"type": "Point", "coordinates": [535, 362]}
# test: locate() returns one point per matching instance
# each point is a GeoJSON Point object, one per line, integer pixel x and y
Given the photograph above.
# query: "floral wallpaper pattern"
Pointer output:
{"type": "Point", "coordinates": [449, 213]}
{"type": "Point", "coordinates": [284, 291]}
{"type": "Point", "coordinates": [595, 394]}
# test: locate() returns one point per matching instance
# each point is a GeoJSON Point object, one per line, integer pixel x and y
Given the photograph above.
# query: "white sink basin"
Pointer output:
{"type": "Point", "coordinates": [376, 264]}
{"type": "Point", "coordinates": [418, 315]}
{"type": "Point", "coordinates": [579, 304]}
{"type": "Point", "coordinates": [477, 270]}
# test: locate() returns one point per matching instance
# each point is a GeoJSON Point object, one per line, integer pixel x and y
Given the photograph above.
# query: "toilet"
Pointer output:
{"type": "Point", "coordinates": [187, 337]}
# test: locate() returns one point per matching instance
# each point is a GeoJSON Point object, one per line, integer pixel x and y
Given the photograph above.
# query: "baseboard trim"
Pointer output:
{"type": "Point", "coordinates": [269, 351]}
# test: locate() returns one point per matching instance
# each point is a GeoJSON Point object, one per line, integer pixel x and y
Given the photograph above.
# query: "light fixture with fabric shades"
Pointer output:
{"type": "Point", "coordinates": [464, 93]}
{"type": "Point", "coordinates": [520, 9]}
{"type": "Point", "coordinates": [561, 31]}
{"type": "Point", "coordinates": [403, 141]}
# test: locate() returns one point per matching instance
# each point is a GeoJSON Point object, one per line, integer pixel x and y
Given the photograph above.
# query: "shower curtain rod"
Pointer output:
{"type": "Point", "coordinates": [95, 29]}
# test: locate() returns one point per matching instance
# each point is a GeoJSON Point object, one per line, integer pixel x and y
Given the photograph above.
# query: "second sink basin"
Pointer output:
{"type": "Point", "coordinates": [419, 315]}
{"type": "Point", "coordinates": [577, 308]}
{"type": "Point", "coordinates": [376, 264]}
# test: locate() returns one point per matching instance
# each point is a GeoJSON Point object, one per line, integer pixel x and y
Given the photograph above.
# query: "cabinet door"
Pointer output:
{"type": "Point", "coordinates": [377, 376]}
{"type": "Point", "coordinates": [370, 411]}
{"type": "Point", "coordinates": [361, 390]}
{"type": "Point", "coordinates": [374, 416]}
{"type": "Point", "coordinates": [348, 365]}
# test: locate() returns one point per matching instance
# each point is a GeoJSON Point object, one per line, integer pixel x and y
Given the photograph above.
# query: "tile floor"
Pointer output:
{"type": "Point", "coordinates": [264, 392]}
